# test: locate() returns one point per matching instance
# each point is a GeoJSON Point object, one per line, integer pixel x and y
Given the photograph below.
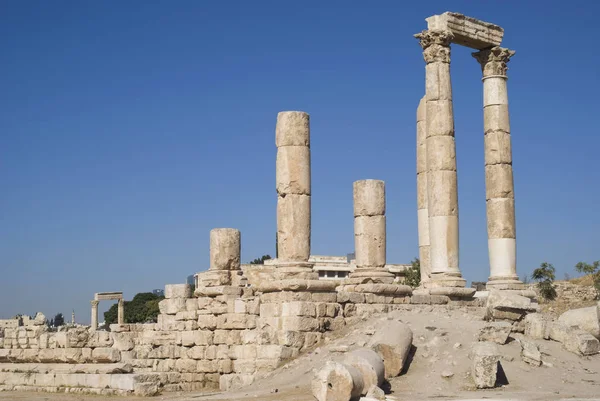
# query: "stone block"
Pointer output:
{"type": "Point", "coordinates": [291, 338]}
{"type": "Point", "coordinates": [275, 352]}
{"type": "Point", "coordinates": [467, 31]}
{"type": "Point", "coordinates": [196, 352]}
{"type": "Point", "coordinates": [208, 322]}
{"type": "Point", "coordinates": [310, 340]}
{"type": "Point", "coordinates": [392, 342]}
{"type": "Point", "coordinates": [323, 296]}
{"type": "Point", "coordinates": [497, 145]}
{"type": "Point", "coordinates": [233, 381]}
{"type": "Point", "coordinates": [506, 305]}
{"type": "Point", "coordinates": [485, 359]}
{"type": "Point", "coordinates": [298, 308]}
{"type": "Point", "coordinates": [530, 353]}
{"type": "Point", "coordinates": [172, 306]}
{"type": "Point", "coordinates": [123, 341]}
{"type": "Point", "coordinates": [501, 218]}
{"type": "Point", "coordinates": [225, 249]}
{"type": "Point", "coordinates": [178, 291]}
{"type": "Point", "coordinates": [497, 332]}
{"type": "Point", "coordinates": [225, 366]}
{"type": "Point", "coordinates": [292, 129]}
{"type": "Point", "coordinates": [536, 326]}
{"type": "Point", "coordinates": [369, 198]}
{"type": "Point", "coordinates": [231, 321]}
{"type": "Point", "coordinates": [271, 309]}
{"type": "Point", "coordinates": [106, 355]}
{"type": "Point", "coordinates": [186, 315]}
{"type": "Point", "coordinates": [293, 225]}
{"type": "Point", "coordinates": [167, 351]}
{"type": "Point", "coordinates": [441, 153]}
{"type": "Point", "coordinates": [244, 366]}
{"type": "Point", "coordinates": [442, 189]}
{"type": "Point", "coordinates": [587, 319]}
{"type": "Point", "coordinates": [293, 170]}
{"type": "Point", "coordinates": [186, 365]}
{"type": "Point", "coordinates": [499, 181]}
{"type": "Point", "coordinates": [207, 366]}
{"type": "Point", "coordinates": [285, 296]}
{"type": "Point", "coordinates": [369, 241]}
{"type": "Point", "coordinates": [299, 323]}
{"type": "Point", "coordinates": [242, 352]}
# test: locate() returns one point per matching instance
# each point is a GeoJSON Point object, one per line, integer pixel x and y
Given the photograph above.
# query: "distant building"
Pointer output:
{"type": "Point", "coordinates": [190, 280]}
{"type": "Point", "coordinates": [158, 292]}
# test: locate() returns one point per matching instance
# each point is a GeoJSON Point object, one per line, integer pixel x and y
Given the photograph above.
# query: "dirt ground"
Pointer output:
{"type": "Point", "coordinates": [442, 339]}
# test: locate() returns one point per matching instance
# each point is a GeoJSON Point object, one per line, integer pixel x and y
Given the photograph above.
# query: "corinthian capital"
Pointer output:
{"type": "Point", "coordinates": [436, 45]}
{"type": "Point", "coordinates": [493, 60]}
{"type": "Point", "coordinates": [94, 303]}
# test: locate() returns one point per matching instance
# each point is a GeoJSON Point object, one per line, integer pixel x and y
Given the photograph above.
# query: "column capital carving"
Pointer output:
{"type": "Point", "coordinates": [436, 45]}
{"type": "Point", "coordinates": [493, 60]}
{"type": "Point", "coordinates": [94, 303]}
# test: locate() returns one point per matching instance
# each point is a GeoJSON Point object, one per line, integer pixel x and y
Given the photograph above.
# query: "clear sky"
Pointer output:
{"type": "Point", "coordinates": [128, 130]}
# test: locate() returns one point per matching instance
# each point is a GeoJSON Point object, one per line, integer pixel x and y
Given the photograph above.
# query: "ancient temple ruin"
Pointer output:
{"type": "Point", "coordinates": [437, 189]}
{"type": "Point", "coordinates": [243, 321]}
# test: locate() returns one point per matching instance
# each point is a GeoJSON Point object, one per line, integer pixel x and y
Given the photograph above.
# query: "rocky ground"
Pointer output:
{"type": "Point", "coordinates": [439, 368]}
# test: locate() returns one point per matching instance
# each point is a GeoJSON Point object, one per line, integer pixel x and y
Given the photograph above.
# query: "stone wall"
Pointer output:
{"type": "Point", "coordinates": [223, 338]}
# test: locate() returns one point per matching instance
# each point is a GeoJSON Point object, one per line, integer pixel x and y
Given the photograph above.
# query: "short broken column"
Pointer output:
{"type": "Point", "coordinates": [94, 322]}
{"type": "Point", "coordinates": [121, 311]}
{"type": "Point", "coordinates": [225, 259]}
{"type": "Point", "coordinates": [293, 184]}
{"type": "Point", "coordinates": [370, 232]}
{"type": "Point", "coordinates": [422, 209]}
{"type": "Point", "coordinates": [500, 199]}
{"type": "Point", "coordinates": [442, 187]}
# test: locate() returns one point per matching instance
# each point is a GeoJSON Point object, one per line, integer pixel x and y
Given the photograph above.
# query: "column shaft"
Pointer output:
{"type": "Point", "coordinates": [422, 209]}
{"type": "Point", "coordinates": [120, 312]}
{"type": "Point", "coordinates": [370, 232]}
{"type": "Point", "coordinates": [442, 191]}
{"type": "Point", "coordinates": [500, 201]}
{"type": "Point", "coordinates": [293, 187]}
{"type": "Point", "coordinates": [94, 322]}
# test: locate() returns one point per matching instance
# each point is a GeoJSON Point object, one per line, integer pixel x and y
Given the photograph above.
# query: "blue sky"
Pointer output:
{"type": "Point", "coordinates": [128, 130]}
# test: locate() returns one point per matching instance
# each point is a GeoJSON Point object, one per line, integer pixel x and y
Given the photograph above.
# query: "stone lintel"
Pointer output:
{"type": "Point", "coordinates": [453, 292]}
{"type": "Point", "coordinates": [468, 31]}
{"type": "Point", "coordinates": [103, 296]}
{"type": "Point", "coordinates": [377, 288]}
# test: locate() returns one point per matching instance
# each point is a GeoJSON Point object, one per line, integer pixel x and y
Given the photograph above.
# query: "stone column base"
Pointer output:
{"type": "Point", "coordinates": [445, 280]}
{"type": "Point", "coordinates": [502, 283]}
{"type": "Point", "coordinates": [369, 275]}
{"type": "Point", "coordinates": [289, 270]}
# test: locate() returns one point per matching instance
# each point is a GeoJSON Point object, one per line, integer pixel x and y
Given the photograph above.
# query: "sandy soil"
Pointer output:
{"type": "Point", "coordinates": [442, 340]}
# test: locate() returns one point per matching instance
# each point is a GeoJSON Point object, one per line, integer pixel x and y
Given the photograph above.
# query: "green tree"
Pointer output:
{"type": "Point", "coordinates": [143, 308]}
{"type": "Point", "coordinates": [593, 270]}
{"type": "Point", "coordinates": [261, 260]}
{"type": "Point", "coordinates": [413, 274]}
{"type": "Point", "coordinates": [544, 275]}
{"type": "Point", "coordinates": [59, 320]}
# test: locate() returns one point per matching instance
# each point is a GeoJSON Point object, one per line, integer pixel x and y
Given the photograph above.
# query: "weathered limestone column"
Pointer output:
{"type": "Point", "coordinates": [500, 198]}
{"type": "Point", "coordinates": [94, 322]}
{"type": "Point", "coordinates": [121, 312]}
{"type": "Point", "coordinates": [225, 249]}
{"type": "Point", "coordinates": [292, 138]}
{"type": "Point", "coordinates": [442, 194]}
{"type": "Point", "coordinates": [422, 211]}
{"type": "Point", "coordinates": [370, 232]}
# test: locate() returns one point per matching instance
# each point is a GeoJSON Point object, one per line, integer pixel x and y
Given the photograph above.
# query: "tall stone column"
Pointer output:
{"type": "Point", "coordinates": [422, 211]}
{"type": "Point", "coordinates": [121, 312]}
{"type": "Point", "coordinates": [370, 232]}
{"type": "Point", "coordinates": [94, 322]}
{"type": "Point", "coordinates": [500, 198]}
{"type": "Point", "coordinates": [442, 194]}
{"type": "Point", "coordinates": [293, 189]}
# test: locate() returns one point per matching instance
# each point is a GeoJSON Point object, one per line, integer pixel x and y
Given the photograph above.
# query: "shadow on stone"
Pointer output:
{"type": "Point", "coordinates": [409, 359]}
{"type": "Point", "coordinates": [501, 379]}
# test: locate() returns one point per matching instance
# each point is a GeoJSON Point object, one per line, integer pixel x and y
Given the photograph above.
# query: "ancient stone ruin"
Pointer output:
{"type": "Point", "coordinates": [244, 321]}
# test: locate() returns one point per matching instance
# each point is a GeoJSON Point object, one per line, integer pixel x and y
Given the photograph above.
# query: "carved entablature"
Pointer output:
{"type": "Point", "coordinates": [436, 45]}
{"type": "Point", "coordinates": [493, 60]}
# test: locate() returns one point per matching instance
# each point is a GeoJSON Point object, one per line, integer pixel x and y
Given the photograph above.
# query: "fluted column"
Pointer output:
{"type": "Point", "coordinates": [500, 199]}
{"type": "Point", "coordinates": [293, 188]}
{"type": "Point", "coordinates": [94, 322]}
{"type": "Point", "coordinates": [442, 193]}
{"type": "Point", "coordinates": [422, 211]}
{"type": "Point", "coordinates": [370, 232]}
{"type": "Point", "coordinates": [121, 312]}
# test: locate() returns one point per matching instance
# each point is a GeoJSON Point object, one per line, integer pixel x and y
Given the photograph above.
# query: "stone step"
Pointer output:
{"type": "Point", "coordinates": [98, 368]}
